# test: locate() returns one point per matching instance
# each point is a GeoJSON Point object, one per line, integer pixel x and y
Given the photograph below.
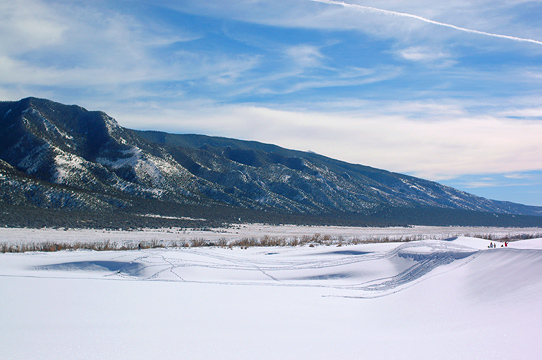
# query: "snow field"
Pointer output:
{"type": "Point", "coordinates": [427, 299]}
{"type": "Point", "coordinates": [169, 236]}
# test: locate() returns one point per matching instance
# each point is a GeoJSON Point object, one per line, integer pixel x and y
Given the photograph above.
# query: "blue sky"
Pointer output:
{"type": "Point", "coordinates": [447, 91]}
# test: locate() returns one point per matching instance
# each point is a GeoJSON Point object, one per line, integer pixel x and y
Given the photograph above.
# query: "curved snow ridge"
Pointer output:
{"type": "Point", "coordinates": [129, 268]}
{"type": "Point", "coordinates": [433, 249]}
{"type": "Point", "coordinates": [427, 246]}
{"type": "Point", "coordinates": [357, 271]}
{"type": "Point", "coordinates": [427, 255]}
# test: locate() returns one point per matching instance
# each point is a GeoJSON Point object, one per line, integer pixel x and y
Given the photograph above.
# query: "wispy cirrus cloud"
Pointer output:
{"type": "Point", "coordinates": [523, 113]}
{"type": "Point", "coordinates": [342, 78]}
{"type": "Point", "coordinates": [520, 176]}
{"type": "Point", "coordinates": [427, 55]}
{"type": "Point", "coordinates": [27, 25]}
{"type": "Point", "coordinates": [371, 9]}
{"type": "Point", "coordinates": [399, 20]}
{"type": "Point", "coordinates": [305, 55]}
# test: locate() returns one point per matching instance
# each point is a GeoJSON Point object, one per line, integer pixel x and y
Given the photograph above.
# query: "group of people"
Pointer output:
{"type": "Point", "coordinates": [493, 245]}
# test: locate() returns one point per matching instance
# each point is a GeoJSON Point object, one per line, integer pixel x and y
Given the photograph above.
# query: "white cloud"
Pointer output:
{"type": "Point", "coordinates": [426, 55]}
{"type": "Point", "coordinates": [519, 176]}
{"type": "Point", "coordinates": [100, 49]}
{"type": "Point", "coordinates": [528, 112]}
{"type": "Point", "coordinates": [305, 55]}
{"type": "Point", "coordinates": [341, 78]}
{"type": "Point", "coordinates": [493, 183]}
{"type": "Point", "coordinates": [481, 184]}
{"type": "Point", "coordinates": [28, 24]}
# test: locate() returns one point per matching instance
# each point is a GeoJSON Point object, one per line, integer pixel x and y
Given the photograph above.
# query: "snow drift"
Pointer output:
{"type": "Point", "coordinates": [418, 300]}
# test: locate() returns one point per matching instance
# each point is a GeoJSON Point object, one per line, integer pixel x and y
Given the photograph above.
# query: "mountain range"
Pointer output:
{"type": "Point", "coordinates": [65, 165]}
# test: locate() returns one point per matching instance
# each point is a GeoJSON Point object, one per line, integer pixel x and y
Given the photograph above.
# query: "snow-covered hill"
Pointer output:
{"type": "Point", "coordinates": [454, 299]}
{"type": "Point", "coordinates": [65, 157]}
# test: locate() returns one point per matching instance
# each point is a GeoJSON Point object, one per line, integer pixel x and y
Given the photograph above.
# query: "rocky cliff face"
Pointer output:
{"type": "Point", "coordinates": [59, 156]}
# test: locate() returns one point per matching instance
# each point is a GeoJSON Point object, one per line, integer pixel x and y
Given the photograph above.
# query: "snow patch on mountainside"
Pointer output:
{"type": "Point", "coordinates": [130, 158]}
{"type": "Point", "coordinates": [148, 171]}
{"type": "Point", "coordinates": [47, 125]}
{"type": "Point", "coordinates": [69, 167]}
{"type": "Point", "coordinates": [34, 159]}
{"type": "Point", "coordinates": [151, 170]}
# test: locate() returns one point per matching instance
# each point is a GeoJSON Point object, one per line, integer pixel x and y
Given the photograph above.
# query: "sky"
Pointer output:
{"type": "Point", "coordinates": [446, 91]}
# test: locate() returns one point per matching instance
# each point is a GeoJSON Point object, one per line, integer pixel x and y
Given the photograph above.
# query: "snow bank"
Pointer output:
{"type": "Point", "coordinates": [526, 244]}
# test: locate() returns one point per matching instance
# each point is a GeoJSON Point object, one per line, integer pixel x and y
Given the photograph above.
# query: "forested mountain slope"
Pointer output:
{"type": "Point", "coordinates": [64, 157]}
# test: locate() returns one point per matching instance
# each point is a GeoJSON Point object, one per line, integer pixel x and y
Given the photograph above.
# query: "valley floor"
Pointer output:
{"type": "Point", "coordinates": [167, 236]}
{"type": "Point", "coordinates": [427, 299]}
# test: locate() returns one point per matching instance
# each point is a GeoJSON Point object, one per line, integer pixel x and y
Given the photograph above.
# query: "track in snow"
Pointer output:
{"type": "Point", "coordinates": [362, 271]}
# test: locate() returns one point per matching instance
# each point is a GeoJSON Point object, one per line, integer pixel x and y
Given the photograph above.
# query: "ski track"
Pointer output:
{"type": "Point", "coordinates": [410, 277]}
{"type": "Point", "coordinates": [285, 268]}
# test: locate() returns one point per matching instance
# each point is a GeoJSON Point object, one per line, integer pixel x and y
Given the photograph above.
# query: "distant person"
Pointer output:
{"type": "Point", "coordinates": [491, 245]}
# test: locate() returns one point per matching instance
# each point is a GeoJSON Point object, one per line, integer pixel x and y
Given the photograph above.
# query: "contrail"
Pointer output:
{"type": "Point", "coordinates": [396, 13]}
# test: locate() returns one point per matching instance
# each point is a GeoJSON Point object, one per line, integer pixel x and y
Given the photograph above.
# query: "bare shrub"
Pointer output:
{"type": "Point", "coordinates": [198, 242]}
{"type": "Point", "coordinates": [244, 243]}
{"type": "Point", "coordinates": [222, 242]}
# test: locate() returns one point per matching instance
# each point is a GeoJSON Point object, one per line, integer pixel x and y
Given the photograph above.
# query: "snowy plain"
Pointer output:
{"type": "Point", "coordinates": [237, 232]}
{"type": "Point", "coordinates": [449, 298]}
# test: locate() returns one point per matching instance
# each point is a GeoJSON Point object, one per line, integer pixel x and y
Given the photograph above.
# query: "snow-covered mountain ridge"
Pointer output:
{"type": "Point", "coordinates": [53, 151]}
